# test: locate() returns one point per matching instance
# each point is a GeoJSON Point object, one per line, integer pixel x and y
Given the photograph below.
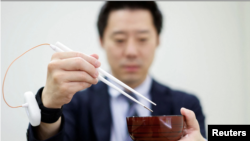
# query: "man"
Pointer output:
{"type": "Point", "coordinates": [129, 33]}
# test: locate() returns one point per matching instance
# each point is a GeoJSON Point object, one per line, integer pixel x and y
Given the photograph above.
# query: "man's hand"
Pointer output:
{"type": "Point", "coordinates": [68, 72]}
{"type": "Point", "coordinates": [192, 131]}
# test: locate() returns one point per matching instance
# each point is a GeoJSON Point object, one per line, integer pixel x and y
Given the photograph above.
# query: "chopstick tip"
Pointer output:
{"type": "Point", "coordinates": [153, 103]}
{"type": "Point", "coordinates": [148, 108]}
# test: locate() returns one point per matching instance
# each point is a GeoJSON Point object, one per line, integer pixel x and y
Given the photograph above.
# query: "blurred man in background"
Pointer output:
{"type": "Point", "coordinates": [74, 109]}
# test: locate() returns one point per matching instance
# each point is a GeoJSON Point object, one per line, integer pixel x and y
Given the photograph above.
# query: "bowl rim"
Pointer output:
{"type": "Point", "coordinates": [156, 116]}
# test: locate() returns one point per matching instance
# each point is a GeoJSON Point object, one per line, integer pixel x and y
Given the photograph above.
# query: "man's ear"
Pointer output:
{"type": "Point", "coordinates": [158, 41]}
{"type": "Point", "coordinates": [101, 41]}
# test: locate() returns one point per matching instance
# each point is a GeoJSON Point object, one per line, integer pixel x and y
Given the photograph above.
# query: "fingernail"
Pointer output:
{"type": "Point", "coordinates": [183, 111]}
{"type": "Point", "coordinates": [97, 63]}
{"type": "Point", "coordinates": [96, 73]}
{"type": "Point", "coordinates": [96, 80]}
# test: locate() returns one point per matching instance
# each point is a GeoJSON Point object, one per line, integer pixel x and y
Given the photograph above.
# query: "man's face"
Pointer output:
{"type": "Point", "coordinates": [130, 40]}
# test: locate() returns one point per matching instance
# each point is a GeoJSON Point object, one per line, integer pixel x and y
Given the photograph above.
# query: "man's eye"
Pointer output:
{"type": "Point", "coordinates": [119, 41]}
{"type": "Point", "coordinates": [143, 40]}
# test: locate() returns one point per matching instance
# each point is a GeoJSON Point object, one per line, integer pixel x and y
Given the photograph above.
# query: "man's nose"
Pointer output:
{"type": "Point", "coordinates": [131, 49]}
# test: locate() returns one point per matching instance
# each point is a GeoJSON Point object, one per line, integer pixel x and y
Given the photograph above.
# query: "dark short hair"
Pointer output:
{"type": "Point", "coordinates": [116, 5]}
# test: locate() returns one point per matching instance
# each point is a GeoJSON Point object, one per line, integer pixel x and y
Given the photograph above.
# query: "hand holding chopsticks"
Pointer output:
{"type": "Point", "coordinates": [59, 47]}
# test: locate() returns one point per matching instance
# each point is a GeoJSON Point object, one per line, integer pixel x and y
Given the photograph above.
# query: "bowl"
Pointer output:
{"type": "Point", "coordinates": [156, 128]}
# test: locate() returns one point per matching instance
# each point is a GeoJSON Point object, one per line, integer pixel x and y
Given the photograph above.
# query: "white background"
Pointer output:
{"type": "Point", "coordinates": [204, 50]}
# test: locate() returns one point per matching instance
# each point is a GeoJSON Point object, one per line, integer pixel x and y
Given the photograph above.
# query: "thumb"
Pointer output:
{"type": "Point", "coordinates": [190, 119]}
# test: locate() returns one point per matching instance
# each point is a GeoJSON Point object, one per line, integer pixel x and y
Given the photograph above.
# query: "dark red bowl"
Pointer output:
{"type": "Point", "coordinates": [156, 128]}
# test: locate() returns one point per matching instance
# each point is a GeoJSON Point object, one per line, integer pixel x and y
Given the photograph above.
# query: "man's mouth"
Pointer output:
{"type": "Point", "coordinates": [131, 68]}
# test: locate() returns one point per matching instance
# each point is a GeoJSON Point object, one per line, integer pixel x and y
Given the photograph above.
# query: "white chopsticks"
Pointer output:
{"type": "Point", "coordinates": [59, 47]}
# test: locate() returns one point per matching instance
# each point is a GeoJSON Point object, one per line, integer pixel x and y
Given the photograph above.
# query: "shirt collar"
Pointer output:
{"type": "Point", "coordinates": [143, 88]}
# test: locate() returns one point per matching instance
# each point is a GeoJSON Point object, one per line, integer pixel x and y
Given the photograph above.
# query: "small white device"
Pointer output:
{"type": "Point", "coordinates": [32, 109]}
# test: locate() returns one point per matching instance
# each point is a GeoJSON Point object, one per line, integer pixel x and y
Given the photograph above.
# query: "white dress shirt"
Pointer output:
{"type": "Point", "coordinates": [119, 108]}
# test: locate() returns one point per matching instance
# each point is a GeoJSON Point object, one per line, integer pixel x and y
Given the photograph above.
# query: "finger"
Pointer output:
{"type": "Point", "coordinates": [78, 76]}
{"type": "Point", "coordinates": [190, 118]}
{"type": "Point", "coordinates": [95, 56]}
{"type": "Point", "coordinates": [76, 64]}
{"type": "Point", "coordinates": [66, 55]}
{"type": "Point", "coordinates": [77, 86]}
